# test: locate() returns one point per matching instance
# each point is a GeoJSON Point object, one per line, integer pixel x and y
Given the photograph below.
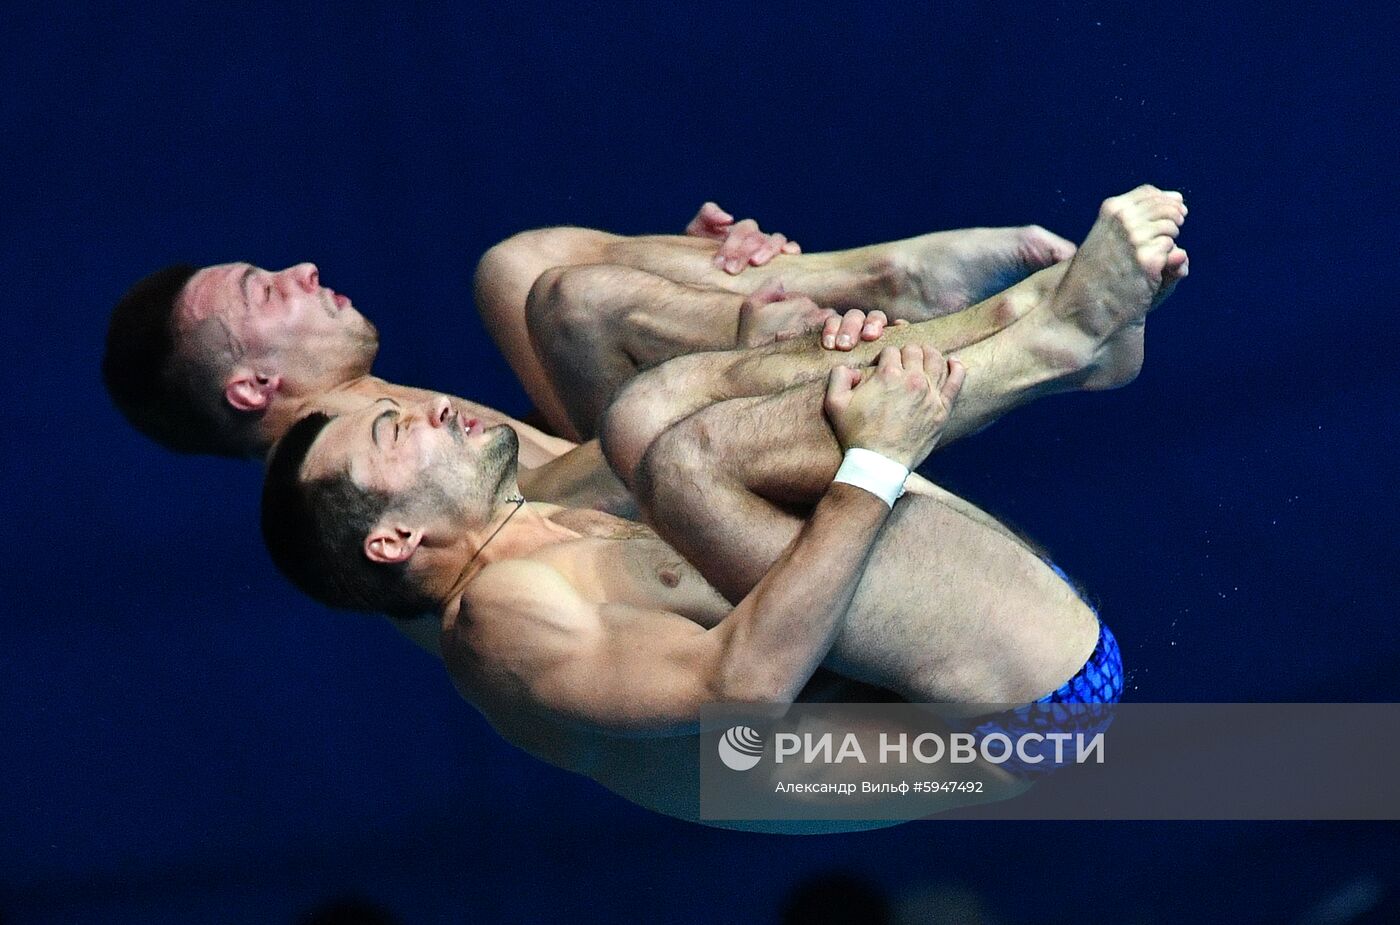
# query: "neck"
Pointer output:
{"type": "Point", "coordinates": [291, 405]}
{"type": "Point", "coordinates": [515, 531]}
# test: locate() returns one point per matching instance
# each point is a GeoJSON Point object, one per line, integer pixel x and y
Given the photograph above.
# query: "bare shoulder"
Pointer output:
{"type": "Point", "coordinates": [521, 604]}
{"type": "Point", "coordinates": [517, 617]}
{"type": "Point", "coordinates": [514, 577]}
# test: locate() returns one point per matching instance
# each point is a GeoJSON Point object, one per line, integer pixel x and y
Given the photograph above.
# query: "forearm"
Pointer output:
{"type": "Point", "coordinates": [778, 634]}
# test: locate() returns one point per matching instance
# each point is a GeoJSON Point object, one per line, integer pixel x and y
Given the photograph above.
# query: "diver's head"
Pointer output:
{"type": "Point", "coordinates": [196, 358]}
{"type": "Point", "coordinates": [375, 510]}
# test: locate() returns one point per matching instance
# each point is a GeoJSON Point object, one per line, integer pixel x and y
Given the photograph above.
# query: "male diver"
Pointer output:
{"type": "Point", "coordinates": [575, 631]}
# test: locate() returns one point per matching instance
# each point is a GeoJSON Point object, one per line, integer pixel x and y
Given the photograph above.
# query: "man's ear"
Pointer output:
{"type": "Point", "coordinates": [390, 544]}
{"type": "Point", "coordinates": [247, 390]}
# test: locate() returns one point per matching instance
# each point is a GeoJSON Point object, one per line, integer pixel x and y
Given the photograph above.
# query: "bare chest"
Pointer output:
{"type": "Point", "coordinates": [617, 561]}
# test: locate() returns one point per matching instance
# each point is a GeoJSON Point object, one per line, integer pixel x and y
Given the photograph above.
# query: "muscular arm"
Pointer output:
{"type": "Point", "coordinates": [629, 670]}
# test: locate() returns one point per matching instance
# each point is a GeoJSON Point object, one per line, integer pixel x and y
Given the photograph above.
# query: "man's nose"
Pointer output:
{"type": "Point", "coordinates": [305, 276]}
{"type": "Point", "coordinates": [439, 411]}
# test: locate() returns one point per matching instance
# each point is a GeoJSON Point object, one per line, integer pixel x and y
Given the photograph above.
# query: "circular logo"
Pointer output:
{"type": "Point", "coordinates": [740, 748]}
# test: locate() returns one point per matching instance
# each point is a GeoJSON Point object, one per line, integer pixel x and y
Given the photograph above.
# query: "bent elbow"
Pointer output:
{"type": "Point", "coordinates": [753, 684]}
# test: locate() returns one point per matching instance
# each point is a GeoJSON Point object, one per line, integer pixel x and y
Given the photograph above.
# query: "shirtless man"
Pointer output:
{"type": "Point", "coordinates": [574, 631]}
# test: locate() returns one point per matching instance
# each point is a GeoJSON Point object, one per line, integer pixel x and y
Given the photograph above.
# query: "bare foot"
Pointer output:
{"type": "Point", "coordinates": [1127, 266]}
{"type": "Point", "coordinates": [950, 270]}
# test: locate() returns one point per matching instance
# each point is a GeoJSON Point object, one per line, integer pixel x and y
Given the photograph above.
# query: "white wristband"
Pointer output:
{"type": "Point", "coordinates": [879, 475]}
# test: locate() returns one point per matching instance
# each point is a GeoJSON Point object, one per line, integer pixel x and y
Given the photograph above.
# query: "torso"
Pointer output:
{"type": "Point", "coordinates": [614, 561]}
{"type": "Point", "coordinates": [608, 560]}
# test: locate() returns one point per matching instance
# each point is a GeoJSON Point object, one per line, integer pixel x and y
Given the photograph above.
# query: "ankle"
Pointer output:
{"type": "Point", "coordinates": [1061, 352]}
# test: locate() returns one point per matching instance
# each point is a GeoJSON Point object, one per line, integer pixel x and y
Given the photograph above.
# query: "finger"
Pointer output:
{"type": "Point", "coordinates": [900, 323]}
{"type": "Point", "coordinates": [755, 245]}
{"type": "Point", "coordinates": [829, 329]}
{"type": "Point", "coordinates": [850, 329]}
{"type": "Point", "coordinates": [714, 215]}
{"type": "Point", "coordinates": [912, 356]}
{"type": "Point", "coordinates": [766, 251]}
{"type": "Point", "coordinates": [935, 367]}
{"type": "Point", "coordinates": [889, 361]}
{"type": "Point", "coordinates": [792, 247]}
{"type": "Point", "coordinates": [709, 222]}
{"type": "Point", "coordinates": [957, 372]}
{"type": "Point", "coordinates": [1161, 207]}
{"type": "Point", "coordinates": [839, 383]}
{"type": "Point", "coordinates": [1163, 226]}
{"type": "Point", "coordinates": [737, 245]}
{"type": "Point", "coordinates": [739, 250]}
{"type": "Point", "coordinates": [1146, 191]}
{"type": "Point", "coordinates": [1156, 248]}
{"type": "Point", "coordinates": [1178, 265]}
{"type": "Point", "coordinates": [874, 325]}
{"type": "Point", "coordinates": [1060, 248]}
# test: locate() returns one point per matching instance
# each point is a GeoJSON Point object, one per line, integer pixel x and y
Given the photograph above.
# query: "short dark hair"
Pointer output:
{"type": "Point", "coordinates": [315, 532]}
{"type": "Point", "coordinates": [141, 369]}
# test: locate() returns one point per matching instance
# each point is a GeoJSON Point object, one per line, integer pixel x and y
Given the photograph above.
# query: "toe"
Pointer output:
{"type": "Point", "coordinates": [1178, 264]}
{"type": "Point", "coordinates": [1043, 247]}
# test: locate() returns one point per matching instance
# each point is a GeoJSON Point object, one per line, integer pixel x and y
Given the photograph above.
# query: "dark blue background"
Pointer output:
{"type": "Point", "coordinates": [183, 738]}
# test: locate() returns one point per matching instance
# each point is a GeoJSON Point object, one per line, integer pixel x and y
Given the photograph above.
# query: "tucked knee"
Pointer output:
{"type": "Point", "coordinates": [541, 248]}
{"type": "Point", "coordinates": [511, 266]}
{"type": "Point", "coordinates": [678, 463]}
{"type": "Point", "coordinates": [637, 416]}
{"type": "Point", "coordinates": [649, 405]}
{"type": "Point", "coordinates": [563, 311]}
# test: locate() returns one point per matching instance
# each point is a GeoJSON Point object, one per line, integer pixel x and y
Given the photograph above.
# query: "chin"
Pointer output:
{"type": "Point", "coordinates": [369, 339]}
{"type": "Point", "coordinates": [503, 451]}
